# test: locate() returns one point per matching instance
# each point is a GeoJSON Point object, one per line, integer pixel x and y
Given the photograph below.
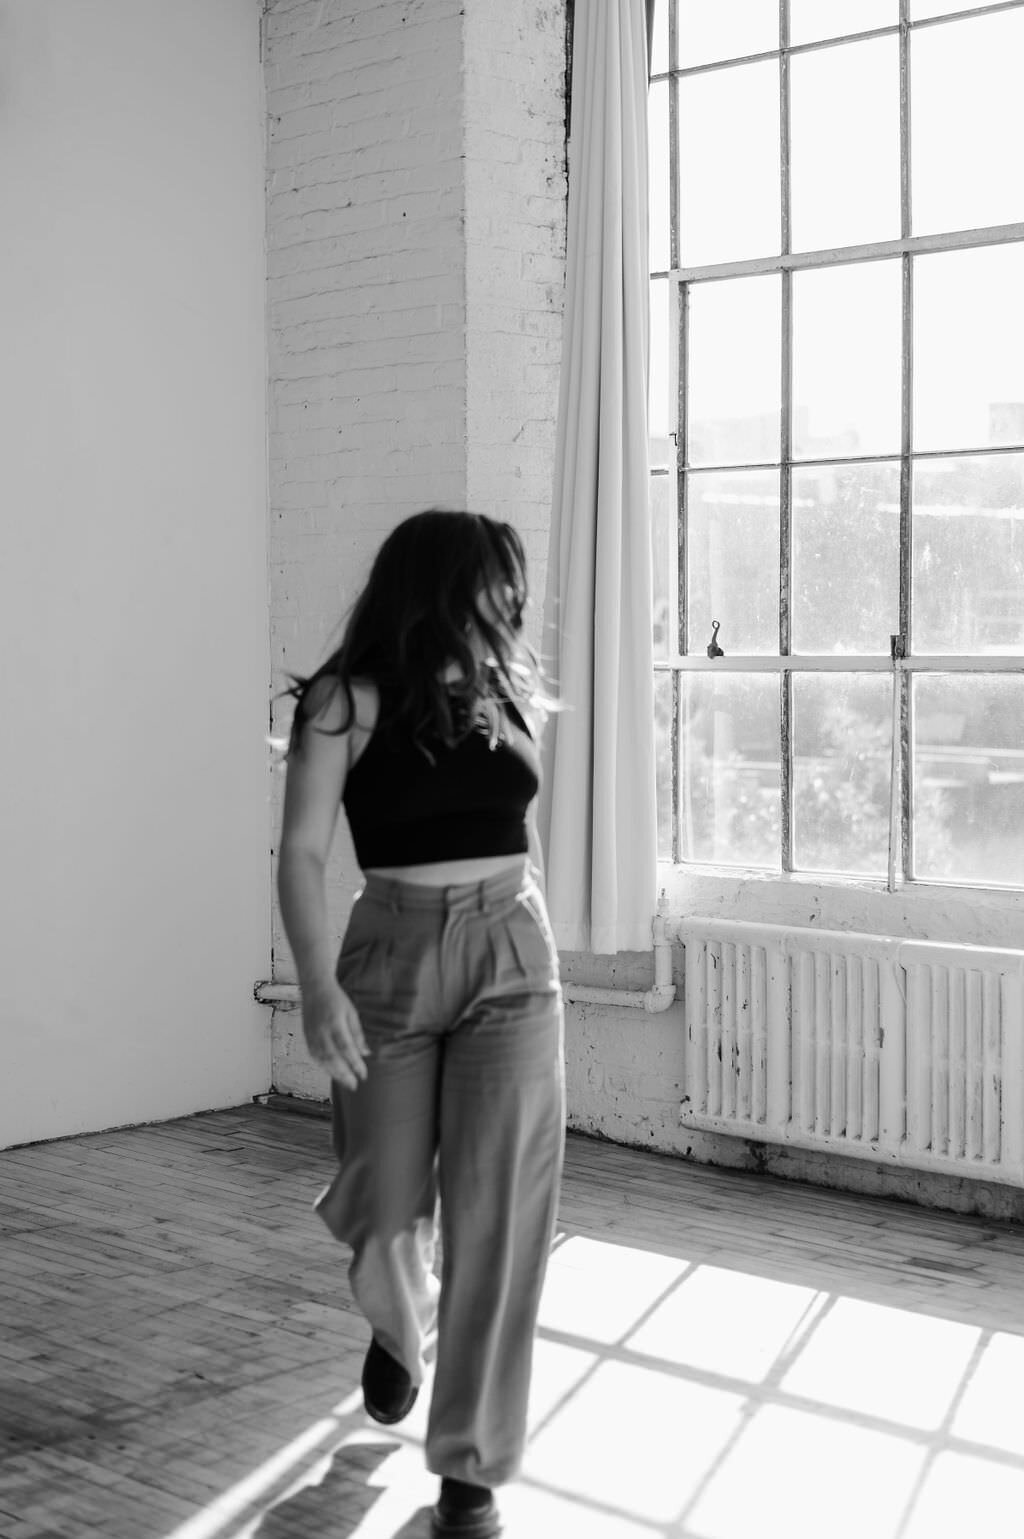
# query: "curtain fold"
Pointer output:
{"type": "Point", "coordinates": [598, 808]}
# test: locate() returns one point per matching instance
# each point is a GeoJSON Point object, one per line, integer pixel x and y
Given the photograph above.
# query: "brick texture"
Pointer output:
{"type": "Point", "coordinates": [415, 252]}
{"type": "Point", "coordinates": [515, 261]}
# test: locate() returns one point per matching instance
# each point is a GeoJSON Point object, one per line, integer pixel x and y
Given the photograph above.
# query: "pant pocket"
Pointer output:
{"type": "Point", "coordinates": [362, 967]}
{"type": "Point", "coordinates": [531, 954]}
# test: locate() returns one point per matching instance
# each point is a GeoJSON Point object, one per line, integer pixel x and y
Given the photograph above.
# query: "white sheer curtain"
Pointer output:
{"type": "Point", "coordinates": [598, 812]}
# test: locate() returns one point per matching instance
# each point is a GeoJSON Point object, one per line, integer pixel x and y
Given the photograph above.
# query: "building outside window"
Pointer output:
{"type": "Point", "coordinates": [837, 437]}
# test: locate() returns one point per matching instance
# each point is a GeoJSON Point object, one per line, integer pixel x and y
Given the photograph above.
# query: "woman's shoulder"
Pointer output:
{"type": "Point", "coordinates": [366, 700]}
{"type": "Point", "coordinates": [332, 707]}
{"type": "Point", "coordinates": [366, 711]}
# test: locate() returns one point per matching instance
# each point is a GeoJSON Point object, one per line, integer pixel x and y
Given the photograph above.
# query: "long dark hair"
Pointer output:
{"type": "Point", "coordinates": [415, 617]}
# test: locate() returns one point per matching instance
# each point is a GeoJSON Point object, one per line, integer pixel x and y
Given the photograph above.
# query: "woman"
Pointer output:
{"type": "Point", "coordinates": [441, 1025]}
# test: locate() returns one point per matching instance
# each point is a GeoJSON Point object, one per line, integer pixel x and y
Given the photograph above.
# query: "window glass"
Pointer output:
{"type": "Point", "coordinates": [968, 572]}
{"type": "Point", "coordinates": [846, 545]}
{"type": "Point", "coordinates": [968, 123]}
{"type": "Point", "coordinates": [846, 360]}
{"type": "Point", "coordinates": [968, 367]}
{"type": "Point", "coordinates": [663, 761]}
{"type": "Point", "coordinates": [659, 38]}
{"type": "Point", "coordinates": [729, 780]}
{"type": "Point", "coordinates": [845, 173]}
{"type": "Point", "coordinates": [662, 409]}
{"type": "Point", "coordinates": [922, 8]}
{"type": "Point", "coordinates": [969, 777]}
{"type": "Point", "coordinates": [812, 20]}
{"type": "Point", "coordinates": [836, 419]}
{"type": "Point", "coordinates": [842, 753]}
{"type": "Point", "coordinates": [659, 174]}
{"type": "Point", "coordinates": [729, 164]}
{"type": "Point", "coordinates": [726, 29]}
{"type": "Point", "coordinates": [732, 560]}
{"type": "Point", "coordinates": [663, 538]}
{"type": "Point", "coordinates": [733, 370]}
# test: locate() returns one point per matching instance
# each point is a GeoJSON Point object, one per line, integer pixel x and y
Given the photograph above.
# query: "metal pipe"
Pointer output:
{"type": "Point", "coordinates": [653, 1000]}
{"type": "Point", "coordinates": [283, 995]}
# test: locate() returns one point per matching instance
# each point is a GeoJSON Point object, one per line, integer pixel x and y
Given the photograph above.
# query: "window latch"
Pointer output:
{"type": "Point", "coordinates": [714, 650]}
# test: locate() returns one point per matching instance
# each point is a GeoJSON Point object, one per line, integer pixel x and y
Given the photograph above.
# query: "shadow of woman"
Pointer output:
{"type": "Point", "coordinates": [335, 1505]}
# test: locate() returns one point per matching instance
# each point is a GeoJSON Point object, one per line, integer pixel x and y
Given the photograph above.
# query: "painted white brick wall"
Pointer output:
{"type": "Point", "coordinates": [415, 250]}
{"type": "Point", "coordinates": [515, 262]}
{"type": "Point", "coordinates": [416, 238]}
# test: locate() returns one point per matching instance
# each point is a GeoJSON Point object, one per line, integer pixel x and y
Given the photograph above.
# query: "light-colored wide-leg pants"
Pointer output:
{"type": "Point", "coordinates": [464, 1102]}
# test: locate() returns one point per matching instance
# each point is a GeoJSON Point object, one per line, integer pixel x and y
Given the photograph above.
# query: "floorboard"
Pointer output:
{"type": "Point", "coordinates": [720, 1355]}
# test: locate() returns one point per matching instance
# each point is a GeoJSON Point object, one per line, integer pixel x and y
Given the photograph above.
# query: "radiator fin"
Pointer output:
{"type": "Point", "coordinates": [955, 1053]}
{"type": "Point", "coordinates": [903, 1050]}
{"type": "Point", "coordinates": [835, 1040]}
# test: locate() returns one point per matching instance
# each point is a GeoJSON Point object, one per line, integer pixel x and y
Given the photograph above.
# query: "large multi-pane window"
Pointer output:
{"type": "Point", "coordinates": [837, 435]}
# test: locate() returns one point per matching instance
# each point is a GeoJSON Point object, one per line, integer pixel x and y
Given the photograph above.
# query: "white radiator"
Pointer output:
{"type": "Point", "coordinates": [894, 1050]}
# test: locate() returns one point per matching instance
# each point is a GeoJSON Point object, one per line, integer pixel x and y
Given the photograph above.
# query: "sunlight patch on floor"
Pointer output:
{"type": "Point", "coordinates": [635, 1439]}
{"type": "Point", "coordinates": [678, 1399]}
{"type": "Point", "coordinates": [884, 1362]}
{"type": "Point", "coordinates": [990, 1411]}
{"type": "Point", "coordinates": [727, 1322]}
{"type": "Point", "coordinates": [558, 1370]}
{"type": "Point", "coordinates": [965, 1495]}
{"type": "Point", "coordinates": [793, 1475]}
{"type": "Point", "coordinates": [599, 1291]}
{"type": "Point", "coordinates": [781, 1412]}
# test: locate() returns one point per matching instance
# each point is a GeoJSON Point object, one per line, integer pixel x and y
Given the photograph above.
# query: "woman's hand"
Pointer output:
{"type": "Point", "coordinates": [334, 1035]}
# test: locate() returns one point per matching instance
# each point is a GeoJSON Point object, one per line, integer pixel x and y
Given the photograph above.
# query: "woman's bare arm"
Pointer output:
{"type": "Point", "coordinates": [536, 851]}
{"type": "Point", "coordinates": [317, 770]}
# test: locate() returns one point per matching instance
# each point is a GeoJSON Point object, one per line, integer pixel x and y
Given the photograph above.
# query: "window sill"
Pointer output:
{"type": "Point", "coordinates": [979, 916]}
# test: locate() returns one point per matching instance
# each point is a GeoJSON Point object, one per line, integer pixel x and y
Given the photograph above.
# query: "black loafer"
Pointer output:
{"type": "Point", "coordinates": [388, 1392]}
{"type": "Point", "coordinates": [459, 1516]}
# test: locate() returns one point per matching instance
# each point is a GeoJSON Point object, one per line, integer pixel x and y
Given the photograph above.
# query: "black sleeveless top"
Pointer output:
{"type": "Point", "coordinates": [464, 802]}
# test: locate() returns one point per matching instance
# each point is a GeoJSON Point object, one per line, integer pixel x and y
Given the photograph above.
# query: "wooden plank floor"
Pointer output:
{"type": "Point", "coordinates": [720, 1356]}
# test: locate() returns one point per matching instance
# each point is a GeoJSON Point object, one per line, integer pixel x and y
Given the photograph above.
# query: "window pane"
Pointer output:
{"type": "Point", "coordinates": [969, 778]}
{"type": "Point", "coordinates": [729, 738]}
{"type": "Point", "coordinates": [810, 20]}
{"type": "Point", "coordinates": [726, 29]}
{"type": "Point", "coordinates": [969, 348]}
{"type": "Point", "coordinates": [665, 543]}
{"type": "Point", "coordinates": [846, 543]}
{"type": "Point", "coordinates": [845, 160]}
{"type": "Point", "coordinates": [733, 374]}
{"type": "Point", "coordinates": [921, 8]}
{"type": "Point", "coordinates": [663, 761]}
{"type": "Point", "coordinates": [729, 176]}
{"type": "Point", "coordinates": [659, 38]}
{"type": "Point", "coordinates": [968, 593]}
{"type": "Point", "coordinates": [662, 409]}
{"type": "Point", "coordinates": [659, 177]}
{"type": "Point", "coordinates": [732, 560]}
{"type": "Point", "coordinates": [842, 746]}
{"type": "Point", "coordinates": [846, 360]}
{"type": "Point", "coordinates": [967, 123]}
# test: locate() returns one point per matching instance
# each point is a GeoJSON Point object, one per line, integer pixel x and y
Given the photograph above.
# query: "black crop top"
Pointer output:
{"type": "Point", "coordinates": [404, 810]}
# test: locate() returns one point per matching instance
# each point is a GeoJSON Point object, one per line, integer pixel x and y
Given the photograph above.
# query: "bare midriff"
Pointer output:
{"type": "Point", "coordinates": [452, 873]}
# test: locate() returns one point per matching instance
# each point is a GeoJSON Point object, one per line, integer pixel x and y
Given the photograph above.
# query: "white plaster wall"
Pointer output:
{"type": "Point", "coordinates": [416, 232]}
{"type": "Point", "coordinates": [136, 900]}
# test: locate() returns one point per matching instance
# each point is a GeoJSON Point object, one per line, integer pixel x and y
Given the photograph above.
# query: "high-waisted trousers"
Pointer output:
{"type": "Point", "coordinates": [463, 1109]}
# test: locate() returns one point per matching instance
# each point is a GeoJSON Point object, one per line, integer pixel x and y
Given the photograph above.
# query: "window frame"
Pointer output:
{"type": "Point", "coordinates": [901, 665]}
